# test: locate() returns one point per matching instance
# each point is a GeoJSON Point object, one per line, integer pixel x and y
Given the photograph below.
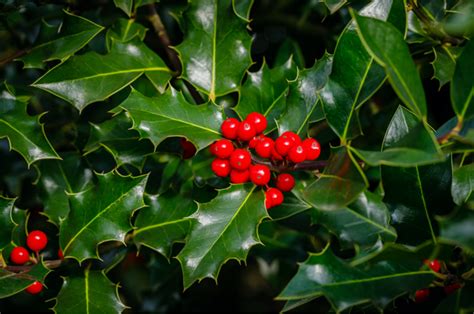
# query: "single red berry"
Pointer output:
{"type": "Point", "coordinates": [237, 176]}
{"type": "Point", "coordinates": [283, 144]}
{"type": "Point", "coordinates": [19, 255]}
{"type": "Point", "coordinates": [246, 131]}
{"type": "Point", "coordinates": [452, 288]}
{"type": "Point", "coordinates": [221, 167]}
{"type": "Point", "coordinates": [188, 148]}
{"type": "Point", "coordinates": [35, 288]}
{"type": "Point", "coordinates": [36, 240]}
{"type": "Point", "coordinates": [240, 159]}
{"type": "Point", "coordinates": [435, 265]}
{"type": "Point", "coordinates": [295, 137]}
{"type": "Point", "coordinates": [60, 254]}
{"type": "Point", "coordinates": [273, 197]}
{"type": "Point", "coordinates": [258, 120]}
{"type": "Point", "coordinates": [230, 128]}
{"type": "Point", "coordinates": [297, 154]}
{"type": "Point", "coordinates": [422, 295]}
{"type": "Point", "coordinates": [285, 182]}
{"type": "Point", "coordinates": [256, 139]}
{"type": "Point", "coordinates": [260, 174]}
{"type": "Point", "coordinates": [275, 155]}
{"type": "Point", "coordinates": [265, 147]}
{"type": "Point", "coordinates": [222, 149]}
{"type": "Point", "coordinates": [312, 147]}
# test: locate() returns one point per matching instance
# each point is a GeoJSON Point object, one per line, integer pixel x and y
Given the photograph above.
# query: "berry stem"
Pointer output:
{"type": "Point", "coordinates": [305, 165]}
{"type": "Point", "coordinates": [49, 264]}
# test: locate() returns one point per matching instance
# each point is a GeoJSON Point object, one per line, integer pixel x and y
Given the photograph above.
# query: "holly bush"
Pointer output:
{"type": "Point", "coordinates": [109, 200]}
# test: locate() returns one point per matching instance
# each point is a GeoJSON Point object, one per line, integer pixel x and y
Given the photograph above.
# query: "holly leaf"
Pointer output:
{"type": "Point", "coordinates": [457, 228]}
{"type": "Point", "coordinates": [264, 92]}
{"type": "Point", "coordinates": [444, 63]}
{"type": "Point", "coordinates": [91, 77]}
{"type": "Point", "coordinates": [385, 43]}
{"type": "Point", "coordinates": [215, 51]}
{"type": "Point", "coordinates": [125, 6]}
{"type": "Point", "coordinates": [291, 206]}
{"type": "Point", "coordinates": [345, 286]}
{"type": "Point", "coordinates": [170, 115]}
{"type": "Point", "coordinates": [460, 301]}
{"type": "Point", "coordinates": [463, 184]}
{"type": "Point", "coordinates": [100, 214]}
{"type": "Point", "coordinates": [223, 229]}
{"type": "Point", "coordinates": [60, 43]}
{"type": "Point", "coordinates": [462, 89]}
{"type": "Point", "coordinates": [363, 222]}
{"type": "Point", "coordinates": [25, 134]}
{"type": "Point", "coordinates": [164, 221]}
{"type": "Point", "coordinates": [340, 183]}
{"type": "Point", "coordinates": [333, 5]}
{"type": "Point", "coordinates": [242, 8]}
{"type": "Point", "coordinates": [6, 221]}
{"type": "Point", "coordinates": [90, 292]}
{"type": "Point", "coordinates": [13, 282]}
{"type": "Point", "coordinates": [125, 30]}
{"type": "Point", "coordinates": [408, 142]}
{"type": "Point", "coordinates": [57, 179]}
{"type": "Point", "coordinates": [355, 76]}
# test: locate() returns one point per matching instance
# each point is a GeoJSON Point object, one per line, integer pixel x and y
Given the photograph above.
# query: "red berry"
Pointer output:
{"type": "Point", "coordinates": [435, 265]}
{"type": "Point", "coordinates": [312, 147]}
{"type": "Point", "coordinates": [19, 255]}
{"type": "Point", "coordinates": [221, 167]}
{"type": "Point", "coordinates": [265, 147]}
{"type": "Point", "coordinates": [240, 159]}
{"type": "Point", "coordinates": [222, 149]}
{"type": "Point", "coordinates": [188, 148]}
{"type": "Point", "coordinates": [273, 197]}
{"type": "Point", "coordinates": [284, 143]}
{"type": "Point", "coordinates": [260, 174]}
{"type": "Point", "coordinates": [238, 177]}
{"type": "Point", "coordinates": [230, 128]}
{"type": "Point", "coordinates": [246, 131]}
{"type": "Point", "coordinates": [297, 154]}
{"type": "Point", "coordinates": [422, 295]}
{"type": "Point", "coordinates": [258, 120]}
{"type": "Point", "coordinates": [285, 182]}
{"type": "Point", "coordinates": [452, 288]}
{"type": "Point", "coordinates": [36, 240]}
{"type": "Point", "coordinates": [60, 254]}
{"type": "Point", "coordinates": [275, 155]}
{"type": "Point", "coordinates": [295, 137]}
{"type": "Point", "coordinates": [35, 288]}
{"type": "Point", "coordinates": [256, 139]}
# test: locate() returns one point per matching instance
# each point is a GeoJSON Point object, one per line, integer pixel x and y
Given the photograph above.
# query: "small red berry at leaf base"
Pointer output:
{"type": "Point", "coordinates": [312, 147]}
{"type": "Point", "coordinates": [273, 197]}
{"type": "Point", "coordinates": [285, 182]}
{"type": "Point", "coordinates": [240, 159]}
{"type": "Point", "coordinates": [222, 149]}
{"type": "Point", "coordinates": [237, 176]}
{"type": "Point", "coordinates": [297, 154]}
{"type": "Point", "coordinates": [284, 143]}
{"type": "Point", "coordinates": [451, 288]}
{"type": "Point", "coordinates": [188, 148]}
{"type": "Point", "coordinates": [19, 255]}
{"type": "Point", "coordinates": [435, 265]}
{"type": "Point", "coordinates": [275, 155]}
{"type": "Point", "coordinates": [422, 295]}
{"type": "Point", "coordinates": [230, 128]}
{"type": "Point", "coordinates": [258, 120]}
{"type": "Point", "coordinates": [265, 147]}
{"type": "Point", "coordinates": [221, 167]}
{"type": "Point", "coordinates": [246, 131]}
{"type": "Point", "coordinates": [36, 240]}
{"type": "Point", "coordinates": [60, 254]}
{"type": "Point", "coordinates": [260, 174]}
{"type": "Point", "coordinates": [295, 137]}
{"type": "Point", "coordinates": [35, 288]}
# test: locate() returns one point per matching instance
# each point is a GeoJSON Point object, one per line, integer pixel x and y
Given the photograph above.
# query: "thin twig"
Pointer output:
{"type": "Point", "coordinates": [49, 264]}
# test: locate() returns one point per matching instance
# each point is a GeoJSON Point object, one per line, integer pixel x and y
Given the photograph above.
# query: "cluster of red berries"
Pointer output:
{"type": "Point", "coordinates": [234, 158]}
{"type": "Point", "coordinates": [36, 241]}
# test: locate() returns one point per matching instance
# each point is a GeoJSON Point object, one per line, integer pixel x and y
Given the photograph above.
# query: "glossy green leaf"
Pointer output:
{"type": "Point", "coordinates": [223, 229]}
{"type": "Point", "coordinates": [463, 141]}
{"type": "Point", "coordinates": [73, 34]}
{"type": "Point", "coordinates": [355, 76]}
{"type": "Point", "coordinates": [457, 228]}
{"type": "Point", "coordinates": [243, 7]}
{"type": "Point", "coordinates": [462, 87]}
{"type": "Point", "coordinates": [125, 30]}
{"type": "Point", "coordinates": [345, 286]}
{"type": "Point", "coordinates": [408, 142]}
{"type": "Point", "coordinates": [362, 222]}
{"type": "Point", "coordinates": [58, 178]}
{"type": "Point", "coordinates": [170, 115]}
{"type": "Point", "coordinates": [264, 92]}
{"type": "Point", "coordinates": [104, 75]}
{"type": "Point", "coordinates": [125, 6]}
{"type": "Point", "coordinates": [100, 214]}
{"type": "Point", "coordinates": [334, 5]}
{"type": "Point", "coordinates": [445, 63]}
{"type": "Point", "coordinates": [215, 51]}
{"type": "Point", "coordinates": [302, 97]}
{"type": "Point", "coordinates": [13, 282]}
{"type": "Point", "coordinates": [463, 184]}
{"type": "Point", "coordinates": [6, 222]}
{"type": "Point", "coordinates": [291, 206]}
{"type": "Point", "coordinates": [90, 292]}
{"type": "Point", "coordinates": [164, 221]}
{"type": "Point", "coordinates": [20, 219]}
{"type": "Point", "coordinates": [24, 133]}
{"type": "Point", "coordinates": [385, 43]}
{"type": "Point", "coordinates": [340, 183]}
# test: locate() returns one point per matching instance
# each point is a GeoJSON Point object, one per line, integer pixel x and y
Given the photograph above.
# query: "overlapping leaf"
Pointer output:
{"type": "Point", "coordinates": [12, 283]}
{"type": "Point", "coordinates": [91, 77]}
{"type": "Point", "coordinates": [445, 63]}
{"type": "Point", "coordinates": [223, 229]}
{"type": "Point", "coordinates": [124, 5]}
{"type": "Point", "coordinates": [90, 292]}
{"type": "Point", "coordinates": [59, 43]}
{"type": "Point", "coordinates": [459, 302]}
{"type": "Point", "coordinates": [6, 222]}
{"type": "Point", "coordinates": [462, 87]}
{"type": "Point", "coordinates": [100, 214]}
{"type": "Point", "coordinates": [215, 51]}
{"type": "Point", "coordinates": [25, 134]}
{"type": "Point", "coordinates": [463, 184]}
{"type": "Point", "coordinates": [125, 30]}
{"type": "Point", "coordinates": [457, 228]}
{"type": "Point", "coordinates": [170, 115]}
